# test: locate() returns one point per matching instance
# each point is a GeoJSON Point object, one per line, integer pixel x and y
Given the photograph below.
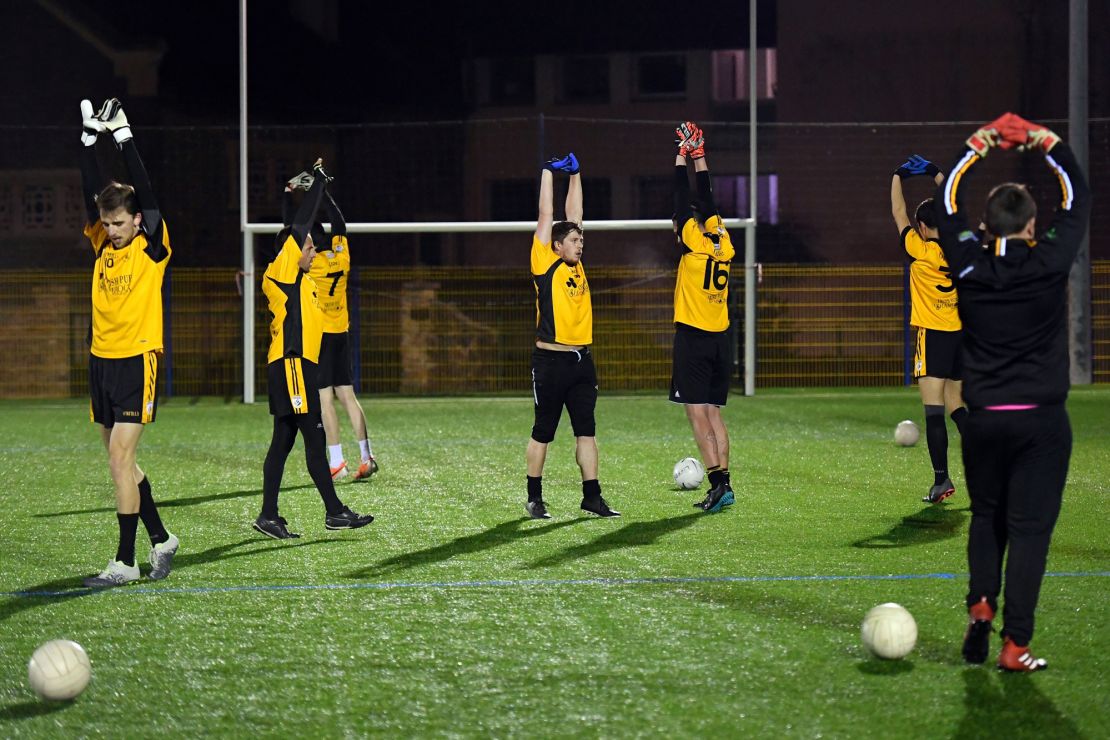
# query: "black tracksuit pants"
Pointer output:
{"type": "Point", "coordinates": [1015, 465]}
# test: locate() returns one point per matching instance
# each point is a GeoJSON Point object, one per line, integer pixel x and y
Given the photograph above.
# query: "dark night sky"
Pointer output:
{"type": "Point", "coordinates": [404, 57]}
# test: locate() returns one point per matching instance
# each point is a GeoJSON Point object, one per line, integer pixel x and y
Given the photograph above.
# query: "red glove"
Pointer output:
{"type": "Point", "coordinates": [1028, 135]}
{"type": "Point", "coordinates": [690, 140]}
{"type": "Point", "coordinates": [990, 135]}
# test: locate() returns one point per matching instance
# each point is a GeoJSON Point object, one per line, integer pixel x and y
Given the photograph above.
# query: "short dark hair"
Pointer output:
{"type": "Point", "coordinates": [703, 210]}
{"type": "Point", "coordinates": [1009, 208]}
{"type": "Point", "coordinates": [117, 195]}
{"type": "Point", "coordinates": [925, 214]}
{"type": "Point", "coordinates": [561, 229]}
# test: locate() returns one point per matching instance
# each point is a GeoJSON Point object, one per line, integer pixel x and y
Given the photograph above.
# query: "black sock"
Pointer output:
{"type": "Point", "coordinates": [728, 480]}
{"type": "Point", "coordinates": [535, 488]}
{"type": "Point", "coordinates": [936, 434]}
{"type": "Point", "coordinates": [128, 525]}
{"type": "Point", "coordinates": [591, 488]}
{"type": "Point", "coordinates": [959, 416]}
{"type": "Point", "coordinates": [148, 512]}
{"type": "Point", "coordinates": [716, 477]}
{"type": "Point", "coordinates": [316, 459]}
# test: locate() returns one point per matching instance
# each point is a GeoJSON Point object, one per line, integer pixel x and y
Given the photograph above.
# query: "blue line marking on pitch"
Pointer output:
{"type": "Point", "coordinates": [662, 580]}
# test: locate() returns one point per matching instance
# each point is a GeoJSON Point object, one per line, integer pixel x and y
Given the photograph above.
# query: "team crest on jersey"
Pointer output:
{"type": "Point", "coordinates": [298, 402]}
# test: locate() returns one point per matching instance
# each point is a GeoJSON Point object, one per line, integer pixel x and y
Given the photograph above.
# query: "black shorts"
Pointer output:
{"type": "Point", "coordinates": [123, 390]}
{"type": "Point", "coordinates": [563, 379]}
{"type": "Point", "coordinates": [335, 360]}
{"type": "Point", "coordinates": [700, 367]}
{"type": "Point", "coordinates": [937, 354]}
{"type": "Point", "coordinates": [293, 386]}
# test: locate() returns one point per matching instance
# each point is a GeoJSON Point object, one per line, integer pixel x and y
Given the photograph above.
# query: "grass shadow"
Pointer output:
{"type": "Point", "coordinates": [29, 709]}
{"type": "Point", "coordinates": [636, 534]}
{"type": "Point", "coordinates": [63, 589]}
{"type": "Point", "coordinates": [175, 502]}
{"type": "Point", "coordinates": [1009, 705]}
{"type": "Point", "coordinates": [880, 667]}
{"type": "Point", "coordinates": [932, 524]}
{"type": "Point", "coordinates": [501, 534]}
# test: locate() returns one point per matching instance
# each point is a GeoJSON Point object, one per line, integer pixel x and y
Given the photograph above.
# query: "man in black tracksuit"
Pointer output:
{"type": "Point", "coordinates": [1017, 440]}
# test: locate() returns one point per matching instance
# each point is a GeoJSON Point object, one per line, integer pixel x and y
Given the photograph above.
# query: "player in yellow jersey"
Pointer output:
{"type": "Point", "coordinates": [701, 366]}
{"type": "Point", "coordinates": [292, 371]}
{"type": "Point", "coordinates": [132, 248]}
{"type": "Point", "coordinates": [330, 270]}
{"type": "Point", "coordinates": [563, 371]}
{"type": "Point", "coordinates": [934, 316]}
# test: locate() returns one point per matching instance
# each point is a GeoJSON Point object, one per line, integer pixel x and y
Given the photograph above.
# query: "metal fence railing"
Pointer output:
{"type": "Point", "coordinates": [461, 330]}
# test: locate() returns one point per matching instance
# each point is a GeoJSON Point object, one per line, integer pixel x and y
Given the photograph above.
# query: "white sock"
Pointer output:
{"type": "Point", "coordinates": [364, 448]}
{"type": "Point", "coordinates": [335, 455]}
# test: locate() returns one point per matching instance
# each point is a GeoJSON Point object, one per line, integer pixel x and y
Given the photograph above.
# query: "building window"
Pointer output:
{"type": "Point", "coordinates": [585, 80]}
{"type": "Point", "coordinates": [661, 75]}
{"type": "Point", "coordinates": [512, 82]}
{"type": "Point", "coordinates": [38, 207]}
{"type": "Point", "coordinates": [730, 75]}
{"type": "Point", "coordinates": [731, 193]}
{"type": "Point", "coordinates": [654, 197]}
{"type": "Point", "coordinates": [597, 197]}
{"type": "Point", "coordinates": [513, 200]}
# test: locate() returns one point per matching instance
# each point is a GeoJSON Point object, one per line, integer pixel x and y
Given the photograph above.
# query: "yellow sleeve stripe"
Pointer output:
{"type": "Point", "coordinates": [953, 181]}
{"type": "Point", "coordinates": [1066, 188]}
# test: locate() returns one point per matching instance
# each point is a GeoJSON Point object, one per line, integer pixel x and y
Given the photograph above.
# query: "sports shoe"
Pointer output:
{"type": "Point", "coordinates": [347, 519]}
{"type": "Point", "coordinates": [339, 471]}
{"type": "Point", "coordinates": [940, 491]}
{"type": "Point", "coordinates": [161, 558]}
{"type": "Point", "coordinates": [276, 528]}
{"type": "Point", "coordinates": [116, 574]}
{"type": "Point", "coordinates": [977, 639]}
{"type": "Point", "coordinates": [727, 500]}
{"type": "Point", "coordinates": [537, 509]}
{"type": "Point", "coordinates": [716, 498]}
{"type": "Point", "coordinates": [1017, 658]}
{"type": "Point", "coordinates": [365, 470]}
{"type": "Point", "coordinates": [598, 507]}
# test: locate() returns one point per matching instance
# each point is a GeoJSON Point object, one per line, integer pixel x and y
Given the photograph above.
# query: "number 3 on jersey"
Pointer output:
{"type": "Point", "coordinates": [716, 275]}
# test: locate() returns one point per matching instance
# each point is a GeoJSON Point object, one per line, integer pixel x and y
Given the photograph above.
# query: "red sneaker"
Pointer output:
{"type": "Point", "coordinates": [1017, 658]}
{"type": "Point", "coordinates": [366, 469]}
{"type": "Point", "coordinates": [977, 639]}
{"type": "Point", "coordinates": [339, 471]}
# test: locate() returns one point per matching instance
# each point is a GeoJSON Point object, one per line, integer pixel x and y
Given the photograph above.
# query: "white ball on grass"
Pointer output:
{"type": "Point", "coordinates": [906, 433]}
{"type": "Point", "coordinates": [59, 670]}
{"type": "Point", "coordinates": [688, 473]}
{"type": "Point", "coordinates": [889, 631]}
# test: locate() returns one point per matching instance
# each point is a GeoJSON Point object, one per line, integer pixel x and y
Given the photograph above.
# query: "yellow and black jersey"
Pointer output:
{"type": "Point", "coordinates": [701, 291]}
{"type": "Point", "coordinates": [932, 294]}
{"type": "Point", "coordinates": [564, 314]}
{"type": "Point", "coordinates": [127, 293]}
{"type": "Point", "coordinates": [329, 271]}
{"type": "Point", "coordinates": [298, 323]}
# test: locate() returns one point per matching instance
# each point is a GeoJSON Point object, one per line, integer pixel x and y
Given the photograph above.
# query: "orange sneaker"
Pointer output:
{"type": "Point", "coordinates": [977, 639]}
{"type": "Point", "coordinates": [1017, 658]}
{"type": "Point", "coordinates": [366, 469]}
{"type": "Point", "coordinates": [339, 471]}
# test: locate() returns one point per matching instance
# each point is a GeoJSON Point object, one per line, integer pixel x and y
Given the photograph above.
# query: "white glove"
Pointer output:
{"type": "Point", "coordinates": [90, 126]}
{"type": "Point", "coordinates": [112, 116]}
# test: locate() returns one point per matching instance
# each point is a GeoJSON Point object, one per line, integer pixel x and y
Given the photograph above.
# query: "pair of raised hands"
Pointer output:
{"type": "Point", "coordinates": [304, 180]}
{"type": "Point", "coordinates": [110, 117]}
{"type": "Point", "coordinates": [690, 140]}
{"type": "Point", "coordinates": [1011, 130]}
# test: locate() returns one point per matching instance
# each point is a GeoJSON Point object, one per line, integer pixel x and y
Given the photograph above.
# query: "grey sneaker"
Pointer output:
{"type": "Point", "coordinates": [537, 509]}
{"type": "Point", "coordinates": [161, 558]}
{"type": "Point", "coordinates": [116, 574]}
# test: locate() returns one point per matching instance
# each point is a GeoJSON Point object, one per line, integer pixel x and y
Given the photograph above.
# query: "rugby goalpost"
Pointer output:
{"type": "Point", "coordinates": [249, 229]}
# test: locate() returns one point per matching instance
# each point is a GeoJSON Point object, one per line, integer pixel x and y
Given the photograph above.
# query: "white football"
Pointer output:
{"type": "Point", "coordinates": [59, 670]}
{"type": "Point", "coordinates": [889, 631]}
{"type": "Point", "coordinates": [689, 473]}
{"type": "Point", "coordinates": [906, 433]}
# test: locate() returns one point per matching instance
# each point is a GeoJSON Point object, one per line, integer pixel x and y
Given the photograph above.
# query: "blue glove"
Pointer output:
{"type": "Point", "coordinates": [567, 164]}
{"type": "Point", "coordinates": [917, 165]}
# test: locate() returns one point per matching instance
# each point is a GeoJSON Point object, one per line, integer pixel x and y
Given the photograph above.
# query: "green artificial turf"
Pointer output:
{"type": "Point", "coordinates": [454, 615]}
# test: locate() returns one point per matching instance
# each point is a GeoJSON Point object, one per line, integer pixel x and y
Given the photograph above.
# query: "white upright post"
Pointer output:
{"type": "Point", "coordinates": [753, 201]}
{"type": "Point", "coordinates": [248, 236]}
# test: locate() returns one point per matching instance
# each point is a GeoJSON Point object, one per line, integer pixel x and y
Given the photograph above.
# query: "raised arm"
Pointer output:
{"type": "Point", "coordinates": [547, 207]}
{"type": "Point", "coordinates": [574, 199]}
{"type": "Point", "coordinates": [335, 216]}
{"type": "Point", "coordinates": [92, 181]}
{"type": "Point", "coordinates": [914, 166]}
{"type": "Point", "coordinates": [306, 214]}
